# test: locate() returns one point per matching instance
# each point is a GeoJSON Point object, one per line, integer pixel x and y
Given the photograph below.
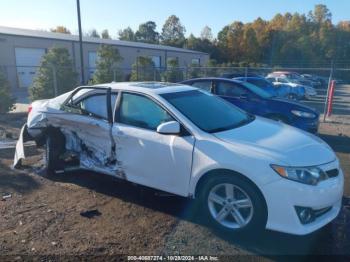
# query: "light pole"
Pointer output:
{"type": "Point", "coordinates": [81, 45]}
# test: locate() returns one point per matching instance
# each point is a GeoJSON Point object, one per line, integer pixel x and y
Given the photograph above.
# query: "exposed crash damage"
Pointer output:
{"type": "Point", "coordinates": [79, 140]}
{"type": "Point", "coordinates": [245, 172]}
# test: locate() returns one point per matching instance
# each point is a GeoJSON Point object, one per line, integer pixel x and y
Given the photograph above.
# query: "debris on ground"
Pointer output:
{"type": "Point", "coordinates": [90, 213]}
{"type": "Point", "coordinates": [6, 196]}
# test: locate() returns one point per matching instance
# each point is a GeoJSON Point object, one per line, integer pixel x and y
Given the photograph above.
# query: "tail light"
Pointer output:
{"type": "Point", "coordinates": [30, 109]}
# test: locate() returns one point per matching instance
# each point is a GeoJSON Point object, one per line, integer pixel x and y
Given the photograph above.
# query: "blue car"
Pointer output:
{"type": "Point", "coordinates": [280, 90]}
{"type": "Point", "coordinates": [259, 102]}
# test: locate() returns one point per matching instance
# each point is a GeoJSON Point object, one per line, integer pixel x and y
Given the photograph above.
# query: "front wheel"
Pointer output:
{"type": "Point", "coordinates": [233, 204]}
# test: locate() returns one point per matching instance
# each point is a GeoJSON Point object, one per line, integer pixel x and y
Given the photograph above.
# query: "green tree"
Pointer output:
{"type": "Point", "coordinates": [105, 34]}
{"type": "Point", "coordinates": [234, 41]}
{"type": "Point", "coordinates": [206, 33]}
{"type": "Point", "coordinates": [173, 32]}
{"type": "Point", "coordinates": [320, 15]}
{"type": "Point", "coordinates": [6, 101]}
{"type": "Point", "coordinates": [250, 45]}
{"type": "Point", "coordinates": [147, 33]}
{"type": "Point", "coordinates": [203, 45]}
{"type": "Point", "coordinates": [55, 64]}
{"type": "Point", "coordinates": [60, 29]}
{"type": "Point", "coordinates": [127, 34]}
{"type": "Point", "coordinates": [107, 65]}
{"type": "Point", "coordinates": [173, 73]}
{"type": "Point", "coordinates": [144, 70]}
{"type": "Point", "coordinates": [94, 33]}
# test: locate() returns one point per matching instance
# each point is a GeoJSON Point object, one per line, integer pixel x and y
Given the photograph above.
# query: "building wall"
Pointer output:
{"type": "Point", "coordinates": [8, 43]}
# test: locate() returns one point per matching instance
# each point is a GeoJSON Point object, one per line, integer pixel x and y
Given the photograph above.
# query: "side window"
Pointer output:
{"type": "Point", "coordinates": [230, 89]}
{"type": "Point", "coordinates": [95, 105]}
{"type": "Point", "coordinates": [204, 85]}
{"type": "Point", "coordinates": [281, 80]}
{"type": "Point", "coordinates": [140, 111]}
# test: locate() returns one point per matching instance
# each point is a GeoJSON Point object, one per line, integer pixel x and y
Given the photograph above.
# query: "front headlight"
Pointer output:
{"type": "Point", "coordinates": [305, 175]}
{"type": "Point", "coordinates": [303, 114]}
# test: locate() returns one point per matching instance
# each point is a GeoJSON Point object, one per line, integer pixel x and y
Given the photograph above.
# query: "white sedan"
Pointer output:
{"type": "Point", "coordinates": [309, 91]}
{"type": "Point", "coordinates": [245, 172]}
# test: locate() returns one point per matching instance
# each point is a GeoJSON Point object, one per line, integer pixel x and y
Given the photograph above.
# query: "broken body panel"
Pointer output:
{"type": "Point", "coordinates": [87, 136]}
{"type": "Point", "coordinates": [104, 146]}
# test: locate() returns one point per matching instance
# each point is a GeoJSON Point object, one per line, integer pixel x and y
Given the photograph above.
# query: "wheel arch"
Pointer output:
{"type": "Point", "coordinates": [50, 130]}
{"type": "Point", "coordinates": [226, 172]}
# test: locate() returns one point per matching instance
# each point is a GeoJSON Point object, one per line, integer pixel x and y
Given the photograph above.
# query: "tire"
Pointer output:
{"type": "Point", "coordinates": [251, 219]}
{"type": "Point", "coordinates": [54, 147]}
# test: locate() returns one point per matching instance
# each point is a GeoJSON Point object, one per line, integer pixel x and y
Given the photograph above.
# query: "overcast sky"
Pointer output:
{"type": "Point", "coordinates": [117, 14]}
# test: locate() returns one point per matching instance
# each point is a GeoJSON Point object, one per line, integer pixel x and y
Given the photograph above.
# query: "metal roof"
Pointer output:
{"type": "Point", "coordinates": [66, 37]}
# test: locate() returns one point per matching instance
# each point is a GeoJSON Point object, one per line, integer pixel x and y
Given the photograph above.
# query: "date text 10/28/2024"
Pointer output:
{"type": "Point", "coordinates": [172, 258]}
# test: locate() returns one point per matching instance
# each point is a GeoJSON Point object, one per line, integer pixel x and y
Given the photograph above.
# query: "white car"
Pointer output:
{"type": "Point", "coordinates": [245, 172]}
{"type": "Point", "coordinates": [309, 91]}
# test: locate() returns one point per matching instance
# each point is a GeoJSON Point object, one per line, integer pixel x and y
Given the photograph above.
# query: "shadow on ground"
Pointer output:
{"type": "Point", "coordinates": [11, 181]}
{"type": "Point", "coordinates": [339, 142]}
{"type": "Point", "coordinates": [333, 239]}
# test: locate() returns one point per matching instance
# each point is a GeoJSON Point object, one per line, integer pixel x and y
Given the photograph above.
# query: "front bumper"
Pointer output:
{"type": "Point", "coordinates": [284, 195]}
{"type": "Point", "coordinates": [309, 125]}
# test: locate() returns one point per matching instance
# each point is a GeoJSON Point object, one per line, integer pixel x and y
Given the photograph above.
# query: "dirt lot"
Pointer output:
{"type": "Point", "coordinates": [43, 215]}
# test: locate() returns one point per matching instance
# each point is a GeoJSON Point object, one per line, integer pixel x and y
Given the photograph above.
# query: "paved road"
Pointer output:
{"type": "Point", "coordinates": [341, 102]}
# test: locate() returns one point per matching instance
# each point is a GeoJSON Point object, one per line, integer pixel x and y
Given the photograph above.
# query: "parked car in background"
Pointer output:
{"type": "Point", "coordinates": [245, 173]}
{"type": "Point", "coordinates": [308, 90]}
{"type": "Point", "coordinates": [258, 102]}
{"type": "Point", "coordinates": [294, 78]}
{"type": "Point", "coordinates": [233, 75]}
{"type": "Point", "coordinates": [282, 91]}
{"type": "Point", "coordinates": [319, 81]}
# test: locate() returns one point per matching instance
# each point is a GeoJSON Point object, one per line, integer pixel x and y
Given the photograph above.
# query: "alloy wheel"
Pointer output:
{"type": "Point", "coordinates": [230, 205]}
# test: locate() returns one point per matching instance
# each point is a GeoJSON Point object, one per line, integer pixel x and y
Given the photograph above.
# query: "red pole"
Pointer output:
{"type": "Point", "coordinates": [330, 98]}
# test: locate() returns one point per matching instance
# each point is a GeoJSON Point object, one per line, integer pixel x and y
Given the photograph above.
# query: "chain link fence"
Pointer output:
{"type": "Point", "coordinates": [21, 78]}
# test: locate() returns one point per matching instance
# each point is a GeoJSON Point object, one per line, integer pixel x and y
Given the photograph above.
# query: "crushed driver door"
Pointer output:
{"type": "Point", "coordinates": [87, 124]}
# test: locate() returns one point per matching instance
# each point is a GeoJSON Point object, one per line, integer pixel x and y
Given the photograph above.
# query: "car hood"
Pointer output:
{"type": "Point", "coordinates": [285, 144]}
{"type": "Point", "coordinates": [293, 104]}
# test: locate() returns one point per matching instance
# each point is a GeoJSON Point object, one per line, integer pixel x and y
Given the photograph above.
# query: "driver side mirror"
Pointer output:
{"type": "Point", "coordinates": [169, 128]}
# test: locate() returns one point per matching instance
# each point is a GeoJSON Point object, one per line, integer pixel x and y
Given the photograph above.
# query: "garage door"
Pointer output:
{"type": "Point", "coordinates": [27, 62]}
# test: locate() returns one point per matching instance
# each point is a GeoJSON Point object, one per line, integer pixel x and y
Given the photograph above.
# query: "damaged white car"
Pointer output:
{"type": "Point", "coordinates": [245, 172]}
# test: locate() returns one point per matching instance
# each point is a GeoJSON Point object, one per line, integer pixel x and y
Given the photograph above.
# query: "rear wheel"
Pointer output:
{"type": "Point", "coordinates": [232, 204]}
{"type": "Point", "coordinates": [53, 149]}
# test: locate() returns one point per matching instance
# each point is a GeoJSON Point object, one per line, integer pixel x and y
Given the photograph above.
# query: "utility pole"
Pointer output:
{"type": "Point", "coordinates": [81, 45]}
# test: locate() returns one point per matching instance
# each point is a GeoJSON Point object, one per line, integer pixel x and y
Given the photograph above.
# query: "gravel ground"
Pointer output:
{"type": "Point", "coordinates": [43, 215]}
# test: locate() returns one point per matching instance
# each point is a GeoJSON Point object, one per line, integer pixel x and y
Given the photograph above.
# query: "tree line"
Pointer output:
{"type": "Point", "coordinates": [298, 40]}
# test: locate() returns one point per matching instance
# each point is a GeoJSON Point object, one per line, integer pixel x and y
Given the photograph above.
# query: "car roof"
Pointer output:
{"type": "Point", "coordinates": [148, 87]}
{"type": "Point", "coordinates": [249, 77]}
{"type": "Point", "coordinates": [285, 72]}
{"type": "Point", "coordinates": [211, 79]}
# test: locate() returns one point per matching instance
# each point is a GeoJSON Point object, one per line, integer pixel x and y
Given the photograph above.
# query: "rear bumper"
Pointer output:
{"type": "Point", "coordinates": [19, 153]}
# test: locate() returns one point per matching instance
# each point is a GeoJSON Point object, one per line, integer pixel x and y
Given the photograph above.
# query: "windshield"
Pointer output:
{"type": "Point", "coordinates": [260, 82]}
{"type": "Point", "coordinates": [283, 80]}
{"type": "Point", "coordinates": [257, 90]}
{"type": "Point", "coordinates": [209, 112]}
